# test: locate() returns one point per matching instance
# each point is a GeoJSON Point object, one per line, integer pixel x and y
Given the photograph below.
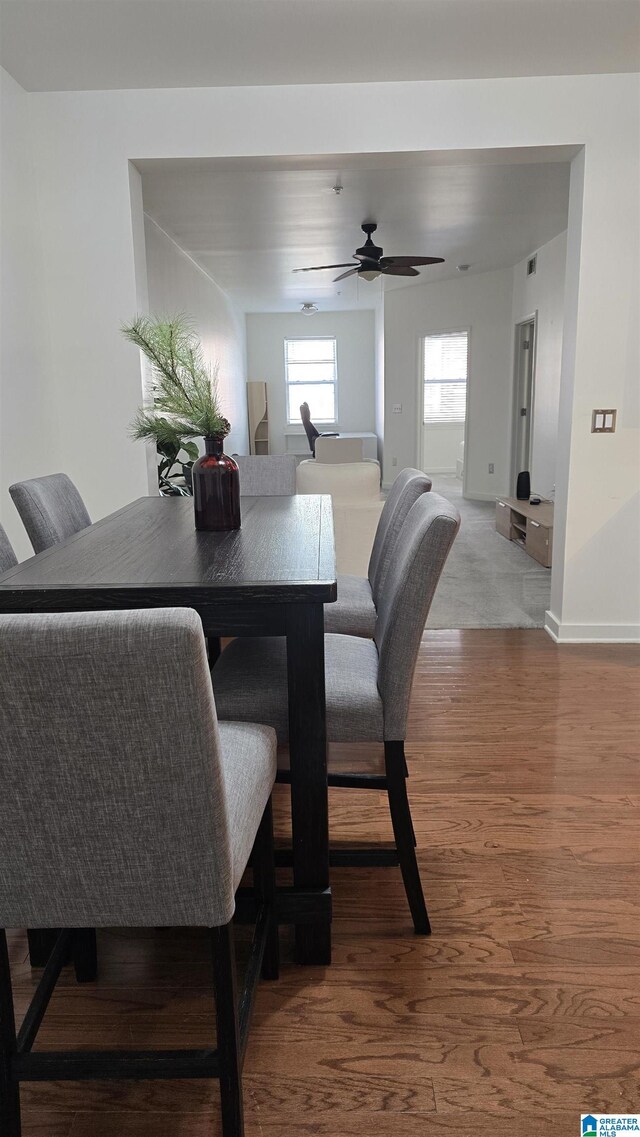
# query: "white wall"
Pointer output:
{"type": "Point", "coordinates": [481, 303]}
{"type": "Point", "coordinates": [597, 516]}
{"type": "Point", "coordinates": [441, 446]}
{"type": "Point", "coordinates": [543, 294]}
{"type": "Point", "coordinates": [83, 141]}
{"type": "Point", "coordinates": [26, 414]}
{"type": "Point", "coordinates": [379, 378]}
{"type": "Point", "coordinates": [355, 348]}
{"type": "Point", "coordinates": [177, 284]}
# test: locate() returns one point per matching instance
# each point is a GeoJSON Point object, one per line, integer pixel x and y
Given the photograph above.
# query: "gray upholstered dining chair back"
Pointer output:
{"type": "Point", "coordinates": [112, 811]}
{"type": "Point", "coordinates": [8, 558]}
{"type": "Point", "coordinates": [51, 509]}
{"type": "Point", "coordinates": [267, 475]}
{"type": "Point", "coordinates": [406, 489]}
{"type": "Point", "coordinates": [403, 605]}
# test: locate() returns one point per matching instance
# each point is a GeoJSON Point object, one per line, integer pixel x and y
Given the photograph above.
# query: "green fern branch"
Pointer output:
{"type": "Point", "coordinates": [185, 388]}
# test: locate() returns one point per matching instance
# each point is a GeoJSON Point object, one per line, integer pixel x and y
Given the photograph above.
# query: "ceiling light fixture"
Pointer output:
{"type": "Point", "coordinates": [337, 188]}
{"type": "Point", "coordinates": [463, 268]}
{"type": "Point", "coordinates": [308, 309]}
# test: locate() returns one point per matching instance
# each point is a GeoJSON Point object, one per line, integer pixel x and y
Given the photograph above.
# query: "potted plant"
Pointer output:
{"type": "Point", "coordinates": [186, 406]}
{"type": "Point", "coordinates": [175, 458]}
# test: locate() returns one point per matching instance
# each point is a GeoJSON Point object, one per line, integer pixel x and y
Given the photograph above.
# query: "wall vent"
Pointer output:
{"type": "Point", "coordinates": [531, 265]}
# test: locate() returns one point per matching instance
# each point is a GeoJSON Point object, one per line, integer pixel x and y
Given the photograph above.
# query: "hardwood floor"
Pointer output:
{"type": "Point", "coordinates": [523, 1008]}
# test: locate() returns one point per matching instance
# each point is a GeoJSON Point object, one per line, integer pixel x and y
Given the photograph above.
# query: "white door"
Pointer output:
{"type": "Point", "coordinates": [444, 364]}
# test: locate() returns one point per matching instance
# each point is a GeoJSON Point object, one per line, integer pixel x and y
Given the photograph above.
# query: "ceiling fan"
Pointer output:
{"type": "Point", "coordinates": [372, 263]}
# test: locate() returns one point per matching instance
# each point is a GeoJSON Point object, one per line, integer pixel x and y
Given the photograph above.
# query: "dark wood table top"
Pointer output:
{"type": "Point", "coordinates": [284, 553]}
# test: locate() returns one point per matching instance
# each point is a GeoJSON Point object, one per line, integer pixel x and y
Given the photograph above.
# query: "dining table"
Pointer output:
{"type": "Point", "coordinates": [271, 577]}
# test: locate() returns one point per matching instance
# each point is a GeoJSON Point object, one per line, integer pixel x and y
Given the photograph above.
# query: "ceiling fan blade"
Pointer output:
{"type": "Point", "coordinates": [344, 275]}
{"type": "Point", "coordinates": [409, 262]}
{"type": "Point", "coordinates": [317, 268]}
{"type": "Point", "coordinates": [401, 270]}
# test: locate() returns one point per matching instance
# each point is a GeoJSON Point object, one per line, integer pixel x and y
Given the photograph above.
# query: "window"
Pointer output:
{"type": "Point", "coordinates": [310, 373]}
{"type": "Point", "coordinates": [444, 373]}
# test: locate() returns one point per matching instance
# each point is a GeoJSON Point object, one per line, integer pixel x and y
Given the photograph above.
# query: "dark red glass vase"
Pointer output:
{"type": "Point", "coordinates": [216, 489]}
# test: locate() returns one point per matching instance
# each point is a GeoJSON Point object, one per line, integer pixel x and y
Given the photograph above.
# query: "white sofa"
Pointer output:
{"type": "Point", "coordinates": [357, 503]}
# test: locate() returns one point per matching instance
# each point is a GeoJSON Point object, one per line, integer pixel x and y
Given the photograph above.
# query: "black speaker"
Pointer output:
{"type": "Point", "coordinates": [523, 486]}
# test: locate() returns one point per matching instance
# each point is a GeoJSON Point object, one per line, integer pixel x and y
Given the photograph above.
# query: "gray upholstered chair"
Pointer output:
{"type": "Point", "coordinates": [354, 612]}
{"type": "Point", "coordinates": [51, 509]}
{"type": "Point", "coordinates": [103, 822]}
{"type": "Point", "coordinates": [8, 558]}
{"type": "Point", "coordinates": [267, 475]}
{"type": "Point", "coordinates": [368, 684]}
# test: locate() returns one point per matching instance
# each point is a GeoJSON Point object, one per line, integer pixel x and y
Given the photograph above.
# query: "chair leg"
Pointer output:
{"type": "Point", "coordinates": [406, 774]}
{"type": "Point", "coordinates": [228, 1029]}
{"type": "Point", "coordinates": [264, 879]}
{"type": "Point", "coordinates": [404, 834]}
{"type": "Point", "coordinates": [9, 1089]}
{"type": "Point", "coordinates": [85, 954]}
{"type": "Point", "coordinates": [41, 943]}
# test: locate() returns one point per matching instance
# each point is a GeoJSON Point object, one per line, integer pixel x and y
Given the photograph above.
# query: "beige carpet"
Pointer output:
{"type": "Point", "coordinates": [488, 582]}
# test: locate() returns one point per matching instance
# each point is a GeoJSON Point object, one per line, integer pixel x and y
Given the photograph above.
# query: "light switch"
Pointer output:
{"type": "Point", "coordinates": [603, 421]}
{"type": "Point", "coordinates": [397, 408]}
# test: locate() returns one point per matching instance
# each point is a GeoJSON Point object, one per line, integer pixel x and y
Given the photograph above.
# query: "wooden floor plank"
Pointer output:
{"type": "Point", "coordinates": [153, 1124]}
{"type": "Point", "coordinates": [571, 915]}
{"type": "Point", "coordinates": [612, 950]}
{"type": "Point", "coordinates": [519, 1012]}
{"type": "Point", "coordinates": [36, 1124]}
{"type": "Point", "coordinates": [364, 953]}
{"type": "Point", "coordinates": [608, 1034]}
{"type": "Point", "coordinates": [335, 1124]}
{"type": "Point", "coordinates": [546, 992]}
{"type": "Point", "coordinates": [540, 1086]}
{"type": "Point", "coordinates": [117, 1098]}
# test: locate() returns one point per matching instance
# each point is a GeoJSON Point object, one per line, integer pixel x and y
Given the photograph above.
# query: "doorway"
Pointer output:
{"type": "Point", "coordinates": [523, 396]}
{"type": "Point", "coordinates": [444, 366]}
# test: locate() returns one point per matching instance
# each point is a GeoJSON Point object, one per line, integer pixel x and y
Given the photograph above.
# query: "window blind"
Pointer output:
{"type": "Point", "coordinates": [445, 363]}
{"type": "Point", "coordinates": [311, 376]}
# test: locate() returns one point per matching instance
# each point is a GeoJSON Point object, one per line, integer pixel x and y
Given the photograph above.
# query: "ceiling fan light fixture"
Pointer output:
{"type": "Point", "coordinates": [308, 309]}
{"type": "Point", "coordinates": [369, 263]}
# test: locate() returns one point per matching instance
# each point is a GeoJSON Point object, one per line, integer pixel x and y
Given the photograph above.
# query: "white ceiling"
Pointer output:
{"type": "Point", "coordinates": [249, 221]}
{"type": "Point", "coordinates": [105, 44]}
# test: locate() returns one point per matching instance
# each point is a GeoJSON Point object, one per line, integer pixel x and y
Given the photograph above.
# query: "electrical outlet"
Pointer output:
{"type": "Point", "coordinates": [491, 467]}
{"type": "Point", "coordinates": [394, 461]}
{"type": "Point", "coordinates": [396, 409]}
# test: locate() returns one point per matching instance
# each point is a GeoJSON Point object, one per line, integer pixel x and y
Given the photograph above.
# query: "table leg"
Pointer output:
{"type": "Point", "coordinates": [308, 758]}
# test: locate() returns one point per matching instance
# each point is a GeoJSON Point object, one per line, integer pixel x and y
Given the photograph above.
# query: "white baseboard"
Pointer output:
{"type": "Point", "coordinates": [590, 633]}
{"type": "Point", "coordinates": [441, 470]}
{"type": "Point", "coordinates": [480, 496]}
